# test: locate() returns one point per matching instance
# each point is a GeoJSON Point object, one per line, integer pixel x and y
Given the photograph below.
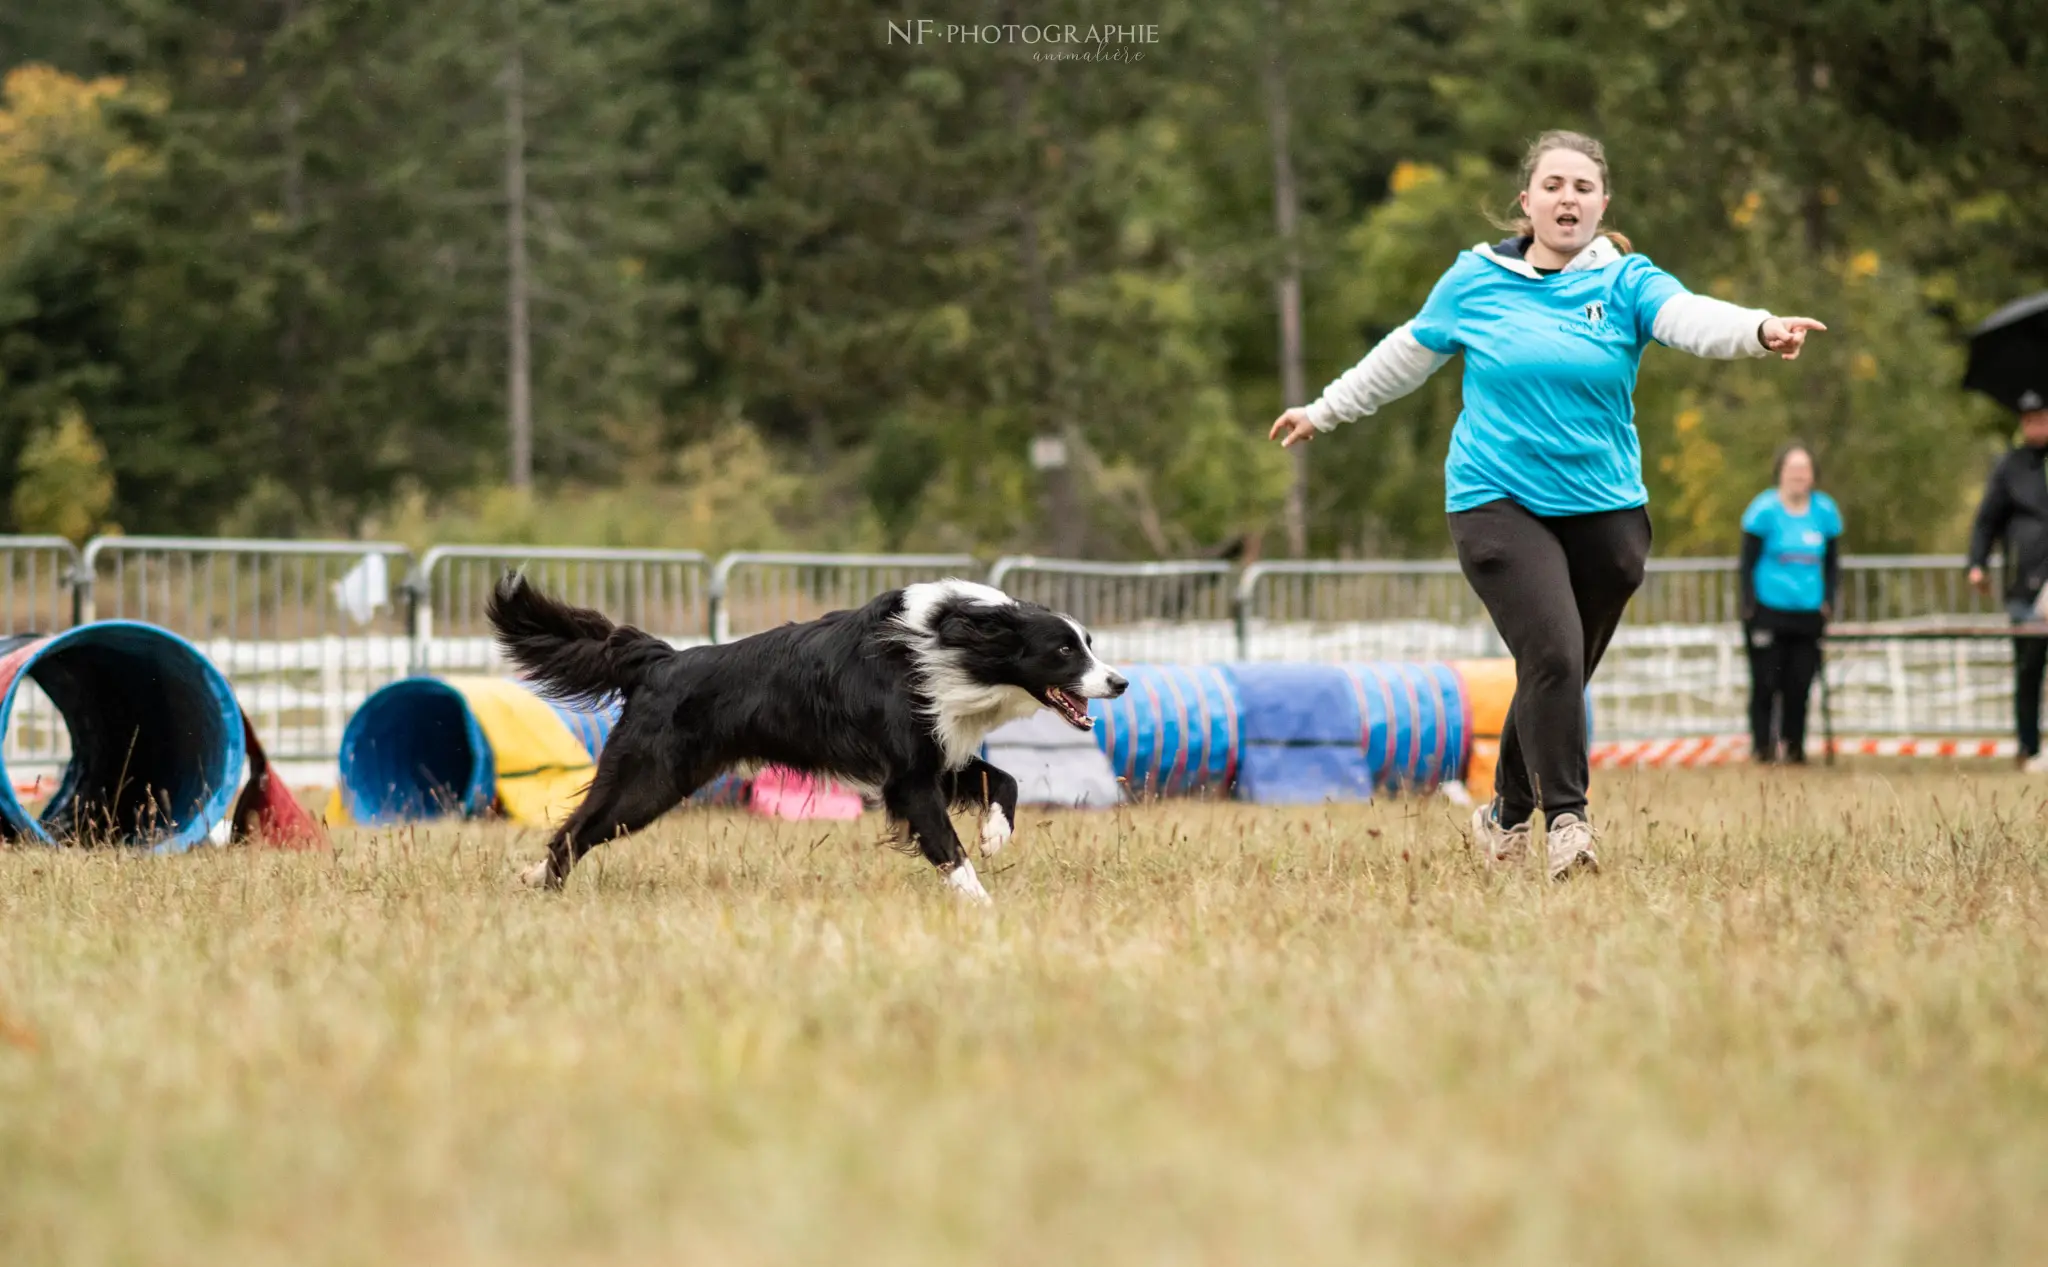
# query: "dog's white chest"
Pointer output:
{"type": "Point", "coordinates": [960, 723]}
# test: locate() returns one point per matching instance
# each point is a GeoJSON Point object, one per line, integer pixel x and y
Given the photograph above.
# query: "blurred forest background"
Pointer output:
{"type": "Point", "coordinates": [731, 273]}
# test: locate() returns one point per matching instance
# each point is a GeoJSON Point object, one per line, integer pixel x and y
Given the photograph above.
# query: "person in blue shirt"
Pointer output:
{"type": "Point", "coordinates": [1788, 577]}
{"type": "Point", "coordinates": [1544, 483]}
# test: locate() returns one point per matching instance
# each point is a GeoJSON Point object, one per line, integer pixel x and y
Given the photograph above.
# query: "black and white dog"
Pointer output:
{"type": "Point", "coordinates": [893, 698]}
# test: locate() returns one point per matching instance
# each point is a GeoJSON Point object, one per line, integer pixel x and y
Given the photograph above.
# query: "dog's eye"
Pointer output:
{"type": "Point", "coordinates": [1066, 650]}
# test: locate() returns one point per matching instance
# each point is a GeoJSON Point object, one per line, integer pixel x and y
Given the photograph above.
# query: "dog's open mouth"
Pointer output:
{"type": "Point", "coordinates": [1070, 706]}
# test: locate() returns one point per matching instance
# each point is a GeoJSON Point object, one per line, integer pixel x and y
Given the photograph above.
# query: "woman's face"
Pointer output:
{"type": "Point", "coordinates": [1565, 200]}
{"type": "Point", "coordinates": [1796, 476]}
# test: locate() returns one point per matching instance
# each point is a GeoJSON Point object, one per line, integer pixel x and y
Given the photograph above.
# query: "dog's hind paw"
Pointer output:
{"type": "Point", "coordinates": [995, 831]}
{"type": "Point", "coordinates": [962, 880]}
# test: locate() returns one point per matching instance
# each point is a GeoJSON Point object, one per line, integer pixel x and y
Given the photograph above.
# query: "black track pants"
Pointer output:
{"type": "Point", "coordinates": [1556, 588]}
{"type": "Point", "coordinates": [1782, 665]}
{"type": "Point", "coordinates": [2029, 661]}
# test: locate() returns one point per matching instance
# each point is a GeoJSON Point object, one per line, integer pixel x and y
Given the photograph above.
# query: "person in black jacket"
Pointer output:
{"type": "Point", "coordinates": [1788, 576]}
{"type": "Point", "coordinates": [2014, 512]}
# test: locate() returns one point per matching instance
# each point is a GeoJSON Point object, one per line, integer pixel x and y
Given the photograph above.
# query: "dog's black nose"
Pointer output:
{"type": "Point", "coordinates": [1118, 683]}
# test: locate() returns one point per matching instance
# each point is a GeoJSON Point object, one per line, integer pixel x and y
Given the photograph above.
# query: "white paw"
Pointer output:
{"type": "Point", "coordinates": [535, 876]}
{"type": "Point", "coordinates": [961, 879]}
{"type": "Point", "coordinates": [995, 831]}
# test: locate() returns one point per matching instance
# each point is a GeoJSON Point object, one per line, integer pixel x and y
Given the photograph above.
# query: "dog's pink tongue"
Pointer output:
{"type": "Point", "coordinates": [1072, 708]}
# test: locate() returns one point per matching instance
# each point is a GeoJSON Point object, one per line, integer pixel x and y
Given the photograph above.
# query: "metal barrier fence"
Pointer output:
{"type": "Point", "coordinates": [1294, 610]}
{"type": "Point", "coordinates": [38, 578]}
{"type": "Point", "coordinates": [38, 594]}
{"type": "Point", "coordinates": [665, 592]}
{"type": "Point", "coordinates": [1873, 588]}
{"type": "Point", "coordinates": [751, 592]}
{"type": "Point", "coordinates": [1911, 587]}
{"type": "Point", "coordinates": [1677, 666]}
{"type": "Point", "coordinates": [1360, 610]}
{"type": "Point", "coordinates": [1916, 683]}
{"type": "Point", "coordinates": [305, 630]}
{"type": "Point", "coordinates": [1136, 612]}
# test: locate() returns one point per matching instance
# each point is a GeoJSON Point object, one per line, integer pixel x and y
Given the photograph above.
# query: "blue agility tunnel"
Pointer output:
{"type": "Point", "coordinates": [430, 747]}
{"type": "Point", "coordinates": [415, 750]}
{"type": "Point", "coordinates": [1346, 732]}
{"type": "Point", "coordinates": [1417, 723]}
{"type": "Point", "coordinates": [157, 741]}
{"type": "Point", "coordinates": [1287, 733]}
{"type": "Point", "coordinates": [1302, 725]}
{"type": "Point", "coordinates": [1174, 732]}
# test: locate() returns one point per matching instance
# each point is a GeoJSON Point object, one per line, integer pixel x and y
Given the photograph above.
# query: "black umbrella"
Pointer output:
{"type": "Point", "coordinates": [2009, 355]}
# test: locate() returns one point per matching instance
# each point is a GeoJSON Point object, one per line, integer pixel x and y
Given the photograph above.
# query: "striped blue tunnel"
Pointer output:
{"type": "Point", "coordinates": [1174, 732]}
{"type": "Point", "coordinates": [1286, 733]}
{"type": "Point", "coordinates": [1416, 727]}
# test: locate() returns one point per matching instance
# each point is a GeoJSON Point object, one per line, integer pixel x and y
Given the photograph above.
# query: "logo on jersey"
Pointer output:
{"type": "Point", "coordinates": [1592, 319]}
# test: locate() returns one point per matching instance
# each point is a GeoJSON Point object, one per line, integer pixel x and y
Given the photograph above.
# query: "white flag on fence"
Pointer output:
{"type": "Point", "coordinates": [365, 591]}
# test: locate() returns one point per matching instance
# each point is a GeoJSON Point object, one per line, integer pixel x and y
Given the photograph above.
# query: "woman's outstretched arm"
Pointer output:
{"type": "Point", "coordinates": [1397, 365]}
{"type": "Point", "coordinates": [1706, 326]}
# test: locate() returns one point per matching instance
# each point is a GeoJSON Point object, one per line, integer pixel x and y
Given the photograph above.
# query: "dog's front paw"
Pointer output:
{"type": "Point", "coordinates": [995, 831]}
{"type": "Point", "coordinates": [538, 876]}
{"type": "Point", "coordinates": [962, 880]}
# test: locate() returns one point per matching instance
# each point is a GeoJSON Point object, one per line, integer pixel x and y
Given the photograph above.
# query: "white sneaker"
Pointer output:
{"type": "Point", "coordinates": [1495, 844]}
{"type": "Point", "coordinates": [1570, 839]}
{"type": "Point", "coordinates": [2036, 764]}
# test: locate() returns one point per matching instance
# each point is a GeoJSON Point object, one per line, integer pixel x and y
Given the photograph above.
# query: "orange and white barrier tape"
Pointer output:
{"type": "Point", "coordinates": [1702, 750]}
{"type": "Point", "coordinates": [1710, 750]}
{"type": "Point", "coordinates": [1927, 747]}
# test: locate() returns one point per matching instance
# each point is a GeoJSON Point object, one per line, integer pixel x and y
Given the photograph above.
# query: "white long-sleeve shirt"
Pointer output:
{"type": "Point", "coordinates": [1399, 363]}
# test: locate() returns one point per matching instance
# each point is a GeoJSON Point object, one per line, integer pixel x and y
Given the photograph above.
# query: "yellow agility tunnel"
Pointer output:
{"type": "Point", "coordinates": [424, 747]}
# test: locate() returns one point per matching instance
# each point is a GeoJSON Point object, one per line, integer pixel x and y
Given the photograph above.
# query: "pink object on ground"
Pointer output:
{"type": "Point", "coordinates": [783, 793]}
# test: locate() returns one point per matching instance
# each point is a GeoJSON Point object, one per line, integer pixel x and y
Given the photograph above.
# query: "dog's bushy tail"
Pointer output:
{"type": "Point", "coordinates": [572, 654]}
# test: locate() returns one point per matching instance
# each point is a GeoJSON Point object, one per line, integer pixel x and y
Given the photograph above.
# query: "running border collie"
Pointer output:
{"type": "Point", "coordinates": [893, 698]}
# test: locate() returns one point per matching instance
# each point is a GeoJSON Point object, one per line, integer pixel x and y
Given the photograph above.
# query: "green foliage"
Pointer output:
{"type": "Point", "coordinates": [263, 247]}
{"type": "Point", "coordinates": [67, 181]}
{"type": "Point", "coordinates": [1224, 478]}
{"type": "Point", "coordinates": [62, 485]}
{"type": "Point", "coordinates": [727, 492]}
{"type": "Point", "coordinates": [1383, 475]}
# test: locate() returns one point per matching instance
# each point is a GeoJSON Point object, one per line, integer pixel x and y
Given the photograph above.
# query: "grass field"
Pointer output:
{"type": "Point", "coordinates": [1800, 1019]}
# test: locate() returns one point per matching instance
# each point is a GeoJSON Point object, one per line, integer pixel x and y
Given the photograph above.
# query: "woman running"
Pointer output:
{"type": "Point", "coordinates": [1543, 484]}
{"type": "Point", "coordinates": [1788, 576]}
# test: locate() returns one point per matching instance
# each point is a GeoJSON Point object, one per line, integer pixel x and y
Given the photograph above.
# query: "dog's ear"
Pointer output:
{"type": "Point", "coordinates": [978, 626]}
